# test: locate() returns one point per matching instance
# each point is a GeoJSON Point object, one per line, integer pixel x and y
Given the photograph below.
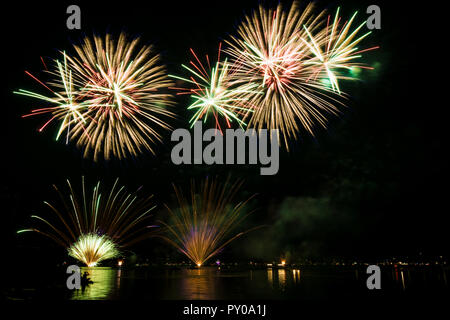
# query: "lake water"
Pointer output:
{"type": "Point", "coordinates": [309, 283]}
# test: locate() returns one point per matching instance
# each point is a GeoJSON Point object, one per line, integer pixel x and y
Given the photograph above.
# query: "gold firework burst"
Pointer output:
{"type": "Point", "coordinates": [93, 226]}
{"type": "Point", "coordinates": [203, 224]}
{"type": "Point", "coordinates": [119, 89]}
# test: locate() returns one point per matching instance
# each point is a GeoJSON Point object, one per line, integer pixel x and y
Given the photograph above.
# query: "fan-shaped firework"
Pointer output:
{"type": "Point", "coordinates": [118, 91]}
{"type": "Point", "coordinates": [202, 225]}
{"type": "Point", "coordinates": [334, 48]}
{"type": "Point", "coordinates": [274, 49]}
{"type": "Point", "coordinates": [214, 93]}
{"type": "Point", "coordinates": [92, 249]}
{"type": "Point", "coordinates": [94, 226]}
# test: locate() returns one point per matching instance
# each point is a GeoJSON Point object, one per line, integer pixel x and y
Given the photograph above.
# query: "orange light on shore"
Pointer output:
{"type": "Point", "coordinates": [120, 263]}
{"type": "Point", "coordinates": [283, 262]}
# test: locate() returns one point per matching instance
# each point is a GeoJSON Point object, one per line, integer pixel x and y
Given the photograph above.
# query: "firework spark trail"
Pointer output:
{"type": "Point", "coordinates": [336, 48]}
{"type": "Point", "coordinates": [275, 48]}
{"type": "Point", "coordinates": [203, 225]}
{"type": "Point", "coordinates": [213, 92]}
{"type": "Point", "coordinates": [68, 110]}
{"type": "Point", "coordinates": [119, 89]}
{"type": "Point", "coordinates": [115, 219]}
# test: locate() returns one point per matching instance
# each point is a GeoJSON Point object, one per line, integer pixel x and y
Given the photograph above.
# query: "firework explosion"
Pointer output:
{"type": "Point", "coordinates": [93, 227]}
{"type": "Point", "coordinates": [213, 92]}
{"type": "Point", "coordinates": [334, 48]}
{"type": "Point", "coordinates": [109, 97]}
{"type": "Point", "coordinates": [280, 51]}
{"type": "Point", "coordinates": [67, 110]}
{"type": "Point", "coordinates": [202, 225]}
{"type": "Point", "coordinates": [92, 249]}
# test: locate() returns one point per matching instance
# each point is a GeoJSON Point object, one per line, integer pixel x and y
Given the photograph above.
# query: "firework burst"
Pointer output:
{"type": "Point", "coordinates": [268, 52]}
{"type": "Point", "coordinates": [67, 109]}
{"type": "Point", "coordinates": [274, 48]}
{"type": "Point", "coordinates": [94, 226]}
{"type": "Point", "coordinates": [203, 225]}
{"type": "Point", "coordinates": [91, 249]}
{"type": "Point", "coordinates": [116, 89]}
{"type": "Point", "coordinates": [213, 92]}
{"type": "Point", "coordinates": [335, 48]}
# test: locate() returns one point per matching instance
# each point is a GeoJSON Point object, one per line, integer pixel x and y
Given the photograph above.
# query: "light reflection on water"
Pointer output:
{"type": "Point", "coordinates": [211, 283]}
{"type": "Point", "coordinates": [106, 282]}
{"type": "Point", "coordinates": [296, 275]}
{"type": "Point", "coordinates": [197, 284]}
{"type": "Point", "coordinates": [281, 278]}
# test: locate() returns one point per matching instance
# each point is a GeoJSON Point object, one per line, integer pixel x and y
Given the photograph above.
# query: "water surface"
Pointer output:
{"type": "Point", "coordinates": [310, 283]}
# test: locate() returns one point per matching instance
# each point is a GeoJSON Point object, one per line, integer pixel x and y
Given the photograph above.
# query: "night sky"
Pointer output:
{"type": "Point", "coordinates": [373, 185]}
